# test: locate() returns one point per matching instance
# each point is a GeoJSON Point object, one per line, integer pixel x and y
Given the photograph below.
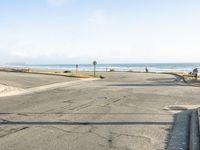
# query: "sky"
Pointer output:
{"type": "Point", "coordinates": [109, 31]}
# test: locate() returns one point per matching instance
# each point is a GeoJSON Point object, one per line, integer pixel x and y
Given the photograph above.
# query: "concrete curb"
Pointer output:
{"type": "Point", "coordinates": [179, 138]}
{"type": "Point", "coordinates": [54, 74]}
{"type": "Point", "coordinates": [185, 134]}
{"type": "Point", "coordinates": [194, 131]}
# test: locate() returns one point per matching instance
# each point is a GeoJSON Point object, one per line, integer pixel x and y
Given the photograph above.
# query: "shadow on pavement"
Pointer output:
{"type": "Point", "coordinates": [149, 84]}
{"type": "Point", "coordinates": [81, 123]}
{"type": "Point", "coordinates": [81, 113]}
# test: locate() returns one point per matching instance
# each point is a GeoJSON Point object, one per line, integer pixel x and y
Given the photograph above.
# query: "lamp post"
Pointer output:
{"type": "Point", "coordinates": [94, 64]}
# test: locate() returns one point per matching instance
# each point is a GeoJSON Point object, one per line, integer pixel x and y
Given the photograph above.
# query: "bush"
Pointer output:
{"type": "Point", "coordinates": [67, 71]}
{"type": "Point", "coordinates": [112, 70]}
{"type": "Point", "coordinates": [101, 77]}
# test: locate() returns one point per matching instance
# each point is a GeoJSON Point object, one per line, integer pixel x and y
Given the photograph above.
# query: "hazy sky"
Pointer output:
{"type": "Point", "coordinates": [110, 31]}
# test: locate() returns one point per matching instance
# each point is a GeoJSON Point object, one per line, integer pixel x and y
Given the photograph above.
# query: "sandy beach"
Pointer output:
{"type": "Point", "coordinates": [8, 90]}
{"type": "Point", "coordinates": [124, 111]}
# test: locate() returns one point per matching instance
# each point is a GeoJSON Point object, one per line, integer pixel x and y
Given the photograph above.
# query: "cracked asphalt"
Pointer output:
{"type": "Point", "coordinates": [124, 111]}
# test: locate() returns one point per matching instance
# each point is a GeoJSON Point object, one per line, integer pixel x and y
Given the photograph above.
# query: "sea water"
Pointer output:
{"type": "Point", "coordinates": [155, 67]}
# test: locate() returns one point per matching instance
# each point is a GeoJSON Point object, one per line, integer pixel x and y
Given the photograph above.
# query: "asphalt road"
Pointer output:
{"type": "Point", "coordinates": [124, 111]}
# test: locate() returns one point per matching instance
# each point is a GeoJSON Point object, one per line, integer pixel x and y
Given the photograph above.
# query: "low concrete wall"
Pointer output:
{"type": "Point", "coordinates": [185, 134]}
{"type": "Point", "coordinates": [180, 132]}
{"type": "Point", "coordinates": [194, 131]}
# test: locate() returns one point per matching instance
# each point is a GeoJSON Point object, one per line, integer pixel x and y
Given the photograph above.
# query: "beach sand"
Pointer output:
{"type": "Point", "coordinates": [8, 90]}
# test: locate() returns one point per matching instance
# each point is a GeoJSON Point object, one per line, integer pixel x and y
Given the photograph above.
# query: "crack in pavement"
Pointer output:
{"type": "Point", "coordinates": [90, 131]}
{"type": "Point", "coordinates": [112, 102]}
{"type": "Point", "coordinates": [4, 133]}
{"type": "Point", "coordinates": [114, 136]}
{"type": "Point", "coordinates": [82, 106]}
{"type": "Point", "coordinates": [3, 120]}
{"type": "Point", "coordinates": [139, 136]}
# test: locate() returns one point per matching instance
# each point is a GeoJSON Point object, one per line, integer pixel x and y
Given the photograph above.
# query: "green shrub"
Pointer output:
{"type": "Point", "coordinates": [101, 77]}
{"type": "Point", "coordinates": [67, 71]}
{"type": "Point", "coordinates": [112, 70]}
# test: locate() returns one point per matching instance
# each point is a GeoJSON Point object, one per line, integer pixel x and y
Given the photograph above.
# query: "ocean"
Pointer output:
{"type": "Point", "coordinates": [154, 67]}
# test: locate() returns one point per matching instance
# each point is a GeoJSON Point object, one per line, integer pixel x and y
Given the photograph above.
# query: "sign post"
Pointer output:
{"type": "Point", "coordinates": [76, 68]}
{"type": "Point", "coordinates": [94, 63]}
